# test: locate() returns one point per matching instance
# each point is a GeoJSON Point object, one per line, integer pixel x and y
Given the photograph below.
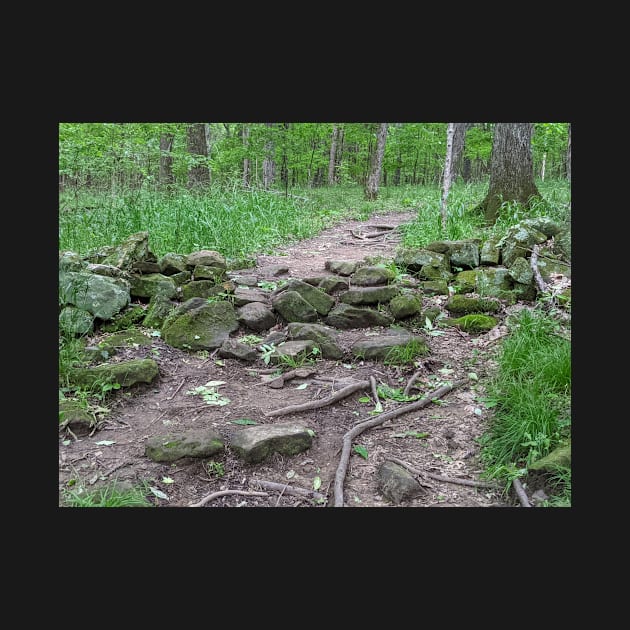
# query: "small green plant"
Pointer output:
{"type": "Point", "coordinates": [405, 355]}
{"type": "Point", "coordinates": [429, 326]}
{"type": "Point", "coordinates": [304, 358]}
{"type": "Point", "coordinates": [268, 285]}
{"type": "Point", "coordinates": [394, 393]}
{"type": "Point", "coordinates": [220, 297]}
{"type": "Point", "coordinates": [215, 469]}
{"type": "Point", "coordinates": [360, 450]}
{"type": "Point", "coordinates": [266, 350]}
{"type": "Point", "coordinates": [210, 393]}
{"type": "Point", "coordinates": [250, 340]}
{"type": "Point", "coordinates": [108, 496]}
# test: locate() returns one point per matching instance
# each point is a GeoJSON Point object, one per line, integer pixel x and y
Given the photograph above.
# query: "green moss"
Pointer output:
{"type": "Point", "coordinates": [473, 323]}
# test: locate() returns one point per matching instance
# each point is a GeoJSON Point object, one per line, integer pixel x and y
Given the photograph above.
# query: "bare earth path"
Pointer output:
{"type": "Point", "coordinates": [438, 440]}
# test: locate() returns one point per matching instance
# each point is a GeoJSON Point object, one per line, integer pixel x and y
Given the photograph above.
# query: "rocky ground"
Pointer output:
{"type": "Point", "coordinates": [434, 443]}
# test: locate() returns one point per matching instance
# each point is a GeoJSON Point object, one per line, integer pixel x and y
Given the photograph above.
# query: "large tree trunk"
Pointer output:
{"type": "Point", "coordinates": [246, 166]}
{"type": "Point", "coordinates": [371, 186]}
{"type": "Point", "coordinates": [199, 174]}
{"type": "Point", "coordinates": [511, 169]}
{"type": "Point", "coordinates": [269, 164]}
{"type": "Point", "coordinates": [165, 176]}
{"type": "Point", "coordinates": [333, 153]}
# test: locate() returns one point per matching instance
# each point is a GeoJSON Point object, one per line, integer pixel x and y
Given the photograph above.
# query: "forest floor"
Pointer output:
{"type": "Point", "coordinates": [439, 440]}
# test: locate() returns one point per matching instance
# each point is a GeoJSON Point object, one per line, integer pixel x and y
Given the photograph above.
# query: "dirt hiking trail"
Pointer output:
{"type": "Point", "coordinates": [434, 443]}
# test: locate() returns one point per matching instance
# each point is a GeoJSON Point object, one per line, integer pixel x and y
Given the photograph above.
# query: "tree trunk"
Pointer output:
{"type": "Point", "coordinates": [246, 166]}
{"type": "Point", "coordinates": [198, 174]}
{"type": "Point", "coordinates": [269, 164]}
{"type": "Point", "coordinates": [284, 167]}
{"type": "Point", "coordinates": [542, 167]}
{"type": "Point", "coordinates": [165, 176]}
{"type": "Point", "coordinates": [448, 171]}
{"type": "Point", "coordinates": [459, 139]}
{"type": "Point", "coordinates": [511, 169]}
{"type": "Point", "coordinates": [371, 186]}
{"type": "Point", "coordinates": [569, 156]}
{"type": "Point", "coordinates": [333, 152]}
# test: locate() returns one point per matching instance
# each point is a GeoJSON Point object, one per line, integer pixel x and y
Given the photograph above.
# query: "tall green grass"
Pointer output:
{"type": "Point", "coordinates": [110, 495]}
{"type": "Point", "coordinates": [229, 220]}
{"type": "Point", "coordinates": [464, 222]}
{"type": "Point", "coordinates": [531, 395]}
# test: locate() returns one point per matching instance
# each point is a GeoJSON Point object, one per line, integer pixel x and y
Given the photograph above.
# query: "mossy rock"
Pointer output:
{"type": "Point", "coordinates": [125, 319]}
{"type": "Point", "coordinates": [473, 323]}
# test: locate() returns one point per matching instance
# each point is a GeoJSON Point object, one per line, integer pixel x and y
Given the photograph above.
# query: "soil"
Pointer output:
{"type": "Point", "coordinates": [440, 439]}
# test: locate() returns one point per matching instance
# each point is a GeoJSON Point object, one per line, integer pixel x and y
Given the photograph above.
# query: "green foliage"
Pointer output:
{"type": "Point", "coordinates": [210, 393]}
{"type": "Point", "coordinates": [215, 469]}
{"type": "Point", "coordinates": [360, 450]}
{"type": "Point", "coordinates": [266, 350]}
{"type": "Point", "coordinates": [250, 340]}
{"type": "Point", "coordinates": [303, 358]}
{"type": "Point", "coordinates": [531, 395]}
{"type": "Point", "coordinates": [107, 496]}
{"type": "Point", "coordinates": [405, 355]}
{"type": "Point", "coordinates": [394, 393]}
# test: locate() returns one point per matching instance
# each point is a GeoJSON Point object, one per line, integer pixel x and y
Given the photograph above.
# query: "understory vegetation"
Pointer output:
{"type": "Point", "coordinates": [530, 394]}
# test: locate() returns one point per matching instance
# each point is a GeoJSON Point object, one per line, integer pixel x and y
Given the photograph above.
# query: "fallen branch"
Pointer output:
{"type": "Point", "coordinates": [520, 493]}
{"type": "Point", "coordinates": [222, 493]}
{"type": "Point", "coordinates": [271, 485]}
{"type": "Point", "coordinates": [359, 428]}
{"type": "Point", "coordinates": [422, 473]}
{"type": "Point", "coordinates": [316, 404]}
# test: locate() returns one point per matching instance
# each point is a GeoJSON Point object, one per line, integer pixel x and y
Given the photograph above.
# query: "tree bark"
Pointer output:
{"type": "Point", "coordinates": [246, 165]}
{"type": "Point", "coordinates": [459, 140]}
{"type": "Point", "coordinates": [448, 171]}
{"type": "Point", "coordinates": [511, 169]}
{"type": "Point", "coordinates": [165, 176]}
{"type": "Point", "coordinates": [333, 152]}
{"type": "Point", "coordinates": [269, 164]}
{"type": "Point", "coordinates": [198, 174]}
{"type": "Point", "coordinates": [371, 186]}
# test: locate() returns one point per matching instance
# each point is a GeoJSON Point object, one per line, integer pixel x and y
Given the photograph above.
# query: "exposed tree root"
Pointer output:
{"type": "Point", "coordinates": [411, 381]}
{"type": "Point", "coordinates": [279, 380]}
{"type": "Point", "coordinates": [422, 473]}
{"type": "Point", "coordinates": [359, 428]}
{"type": "Point", "coordinates": [222, 493]}
{"type": "Point", "coordinates": [520, 493]}
{"type": "Point", "coordinates": [286, 489]}
{"type": "Point", "coordinates": [316, 404]}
